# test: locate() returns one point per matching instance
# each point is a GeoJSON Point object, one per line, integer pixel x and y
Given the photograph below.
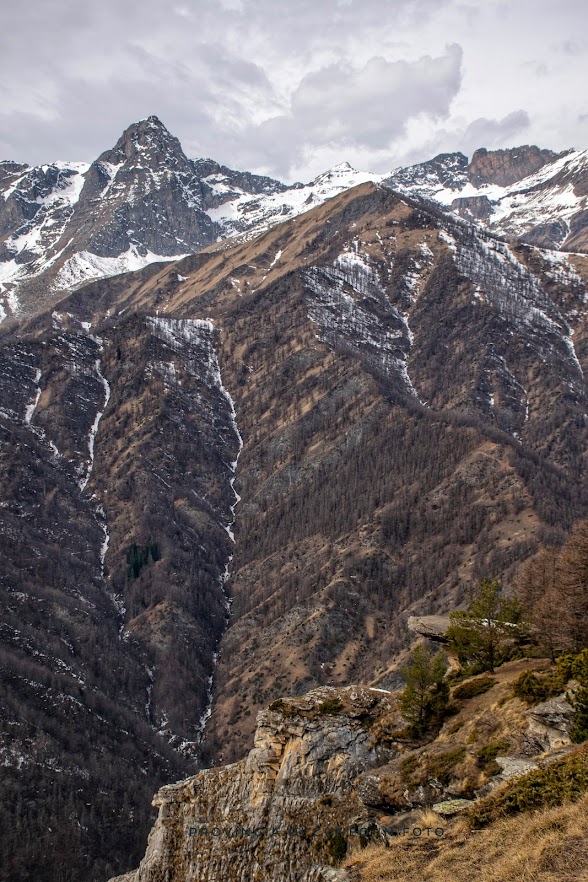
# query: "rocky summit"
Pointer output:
{"type": "Point", "coordinates": [521, 193]}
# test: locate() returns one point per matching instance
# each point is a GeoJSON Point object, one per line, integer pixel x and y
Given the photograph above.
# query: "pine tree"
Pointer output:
{"type": "Point", "coordinates": [481, 633]}
{"type": "Point", "coordinates": [579, 699]}
{"type": "Point", "coordinates": [425, 697]}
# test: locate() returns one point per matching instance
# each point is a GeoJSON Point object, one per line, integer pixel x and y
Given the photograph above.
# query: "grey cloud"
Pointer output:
{"type": "Point", "coordinates": [494, 133]}
{"type": "Point", "coordinates": [268, 84]}
{"type": "Point", "coordinates": [482, 132]}
{"type": "Point", "coordinates": [209, 71]}
{"type": "Point", "coordinates": [572, 47]}
{"type": "Point", "coordinates": [367, 107]}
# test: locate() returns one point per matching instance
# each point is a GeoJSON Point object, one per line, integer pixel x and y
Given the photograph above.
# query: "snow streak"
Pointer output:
{"type": "Point", "coordinates": [350, 319]}
{"type": "Point", "coordinates": [194, 339]}
{"type": "Point", "coordinates": [31, 408]}
{"type": "Point", "coordinates": [96, 423]}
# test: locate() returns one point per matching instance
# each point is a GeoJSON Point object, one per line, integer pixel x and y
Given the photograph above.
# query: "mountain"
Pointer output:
{"type": "Point", "coordinates": [521, 193]}
{"type": "Point", "coordinates": [143, 201]}
{"type": "Point", "coordinates": [235, 475]}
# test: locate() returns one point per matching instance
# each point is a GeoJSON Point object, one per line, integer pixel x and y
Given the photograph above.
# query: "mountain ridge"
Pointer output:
{"type": "Point", "coordinates": [143, 201]}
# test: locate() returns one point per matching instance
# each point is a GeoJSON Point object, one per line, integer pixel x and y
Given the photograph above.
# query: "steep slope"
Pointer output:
{"type": "Point", "coordinates": [391, 457]}
{"type": "Point", "coordinates": [117, 460]}
{"type": "Point", "coordinates": [521, 193]}
{"type": "Point", "coordinates": [411, 403]}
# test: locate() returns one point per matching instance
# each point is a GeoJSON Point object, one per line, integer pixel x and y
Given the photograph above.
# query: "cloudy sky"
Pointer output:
{"type": "Point", "coordinates": [291, 87]}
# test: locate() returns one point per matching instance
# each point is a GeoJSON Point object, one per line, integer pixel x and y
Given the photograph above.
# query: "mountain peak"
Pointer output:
{"type": "Point", "coordinates": [149, 139]}
{"type": "Point", "coordinates": [341, 170]}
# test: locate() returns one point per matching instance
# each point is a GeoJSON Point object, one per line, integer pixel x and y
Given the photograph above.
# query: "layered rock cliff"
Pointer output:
{"type": "Point", "coordinates": [287, 810]}
{"type": "Point", "coordinates": [333, 770]}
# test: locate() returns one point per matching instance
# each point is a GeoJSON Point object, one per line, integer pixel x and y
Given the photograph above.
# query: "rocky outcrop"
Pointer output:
{"type": "Point", "coordinates": [431, 627]}
{"type": "Point", "coordinates": [504, 167]}
{"type": "Point", "coordinates": [476, 207]}
{"type": "Point", "coordinates": [550, 722]}
{"type": "Point", "coordinates": [287, 811]}
{"type": "Point", "coordinates": [333, 769]}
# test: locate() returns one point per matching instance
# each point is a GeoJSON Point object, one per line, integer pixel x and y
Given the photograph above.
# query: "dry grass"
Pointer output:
{"type": "Point", "coordinates": [546, 846]}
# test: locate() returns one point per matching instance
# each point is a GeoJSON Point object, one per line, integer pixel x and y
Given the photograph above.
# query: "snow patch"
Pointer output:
{"type": "Point", "coordinates": [94, 428]}
{"type": "Point", "coordinates": [352, 323]}
{"type": "Point", "coordinates": [31, 408]}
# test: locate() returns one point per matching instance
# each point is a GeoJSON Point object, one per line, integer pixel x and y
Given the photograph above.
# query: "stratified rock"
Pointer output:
{"type": "Point", "coordinates": [478, 207]}
{"type": "Point", "coordinates": [504, 167]}
{"type": "Point", "coordinates": [287, 811]}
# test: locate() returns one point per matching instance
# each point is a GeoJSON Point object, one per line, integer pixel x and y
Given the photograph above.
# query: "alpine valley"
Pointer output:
{"type": "Point", "coordinates": [247, 429]}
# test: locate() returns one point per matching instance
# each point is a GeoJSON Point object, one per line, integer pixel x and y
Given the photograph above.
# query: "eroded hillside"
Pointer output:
{"type": "Point", "coordinates": [410, 398]}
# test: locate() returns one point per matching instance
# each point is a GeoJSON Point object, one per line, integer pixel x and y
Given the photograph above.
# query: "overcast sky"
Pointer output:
{"type": "Point", "coordinates": [292, 87]}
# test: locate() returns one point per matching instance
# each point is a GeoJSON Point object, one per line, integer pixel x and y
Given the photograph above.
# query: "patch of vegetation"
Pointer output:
{"type": "Point", "coordinates": [442, 765]}
{"type": "Point", "coordinates": [487, 632]}
{"type": "Point", "coordinates": [280, 706]}
{"type": "Point", "coordinates": [138, 557]}
{"type": "Point", "coordinates": [487, 757]}
{"type": "Point", "coordinates": [530, 689]}
{"type": "Point", "coordinates": [331, 706]}
{"type": "Point", "coordinates": [424, 701]}
{"type": "Point", "coordinates": [408, 767]}
{"type": "Point", "coordinates": [553, 592]}
{"type": "Point", "coordinates": [564, 780]}
{"type": "Point", "coordinates": [472, 688]}
{"type": "Point", "coordinates": [534, 688]}
{"type": "Point", "coordinates": [417, 769]}
{"type": "Point", "coordinates": [337, 847]}
{"type": "Point", "coordinates": [579, 700]}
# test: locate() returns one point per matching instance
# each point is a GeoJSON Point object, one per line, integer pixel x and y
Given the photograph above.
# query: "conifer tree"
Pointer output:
{"type": "Point", "coordinates": [481, 633]}
{"type": "Point", "coordinates": [425, 697]}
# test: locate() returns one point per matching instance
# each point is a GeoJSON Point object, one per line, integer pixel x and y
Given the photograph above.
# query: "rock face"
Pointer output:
{"type": "Point", "coordinates": [284, 813]}
{"type": "Point", "coordinates": [550, 722]}
{"type": "Point", "coordinates": [432, 627]}
{"type": "Point", "coordinates": [505, 167]}
{"type": "Point", "coordinates": [475, 207]}
{"type": "Point", "coordinates": [332, 769]}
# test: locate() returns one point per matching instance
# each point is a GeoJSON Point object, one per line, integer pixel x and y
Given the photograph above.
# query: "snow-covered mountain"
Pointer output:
{"type": "Point", "coordinates": [522, 193]}
{"type": "Point", "coordinates": [143, 201]}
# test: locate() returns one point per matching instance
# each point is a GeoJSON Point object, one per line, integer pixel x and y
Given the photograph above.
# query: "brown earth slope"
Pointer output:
{"type": "Point", "coordinates": [411, 401]}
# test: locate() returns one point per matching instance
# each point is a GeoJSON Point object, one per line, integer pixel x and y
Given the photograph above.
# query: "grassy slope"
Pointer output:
{"type": "Point", "coordinates": [550, 845]}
